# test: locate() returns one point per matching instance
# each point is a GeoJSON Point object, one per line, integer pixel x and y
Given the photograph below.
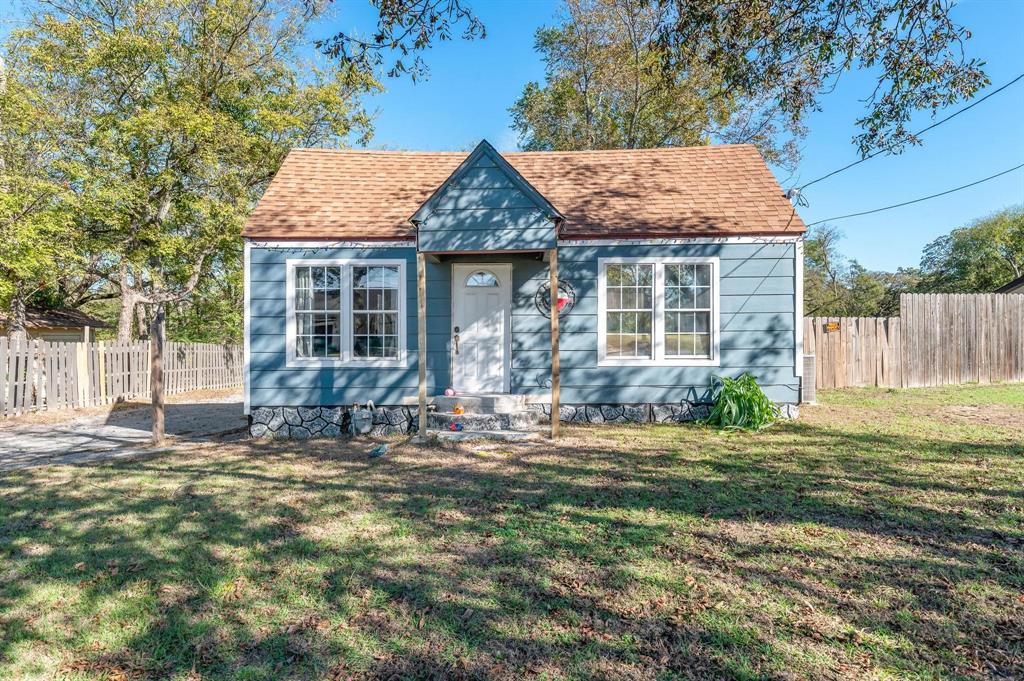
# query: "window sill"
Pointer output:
{"type": "Point", "coordinates": [321, 363]}
{"type": "Point", "coordinates": [668, 362]}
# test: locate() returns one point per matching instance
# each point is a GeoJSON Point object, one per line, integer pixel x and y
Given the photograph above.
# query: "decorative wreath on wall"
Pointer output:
{"type": "Point", "coordinates": [566, 299]}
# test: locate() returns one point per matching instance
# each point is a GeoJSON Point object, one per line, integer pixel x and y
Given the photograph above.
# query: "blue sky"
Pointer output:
{"type": "Point", "coordinates": [472, 84]}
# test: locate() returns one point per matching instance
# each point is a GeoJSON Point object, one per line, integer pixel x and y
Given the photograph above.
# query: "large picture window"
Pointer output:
{"type": "Point", "coordinates": [346, 312]}
{"type": "Point", "coordinates": [658, 311]}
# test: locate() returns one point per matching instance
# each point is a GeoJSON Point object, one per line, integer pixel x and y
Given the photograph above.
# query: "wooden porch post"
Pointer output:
{"type": "Point", "coordinates": [555, 378]}
{"type": "Point", "coordinates": [421, 321]}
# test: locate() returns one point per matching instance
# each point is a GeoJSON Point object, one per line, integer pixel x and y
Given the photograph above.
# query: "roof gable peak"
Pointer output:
{"type": "Point", "coordinates": [484, 150]}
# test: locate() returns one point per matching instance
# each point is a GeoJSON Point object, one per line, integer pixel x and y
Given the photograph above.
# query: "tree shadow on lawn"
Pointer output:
{"type": "Point", "coordinates": [681, 554]}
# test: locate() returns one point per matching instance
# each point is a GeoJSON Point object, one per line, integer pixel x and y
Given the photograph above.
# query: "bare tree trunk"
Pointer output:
{"type": "Point", "coordinates": [129, 299]}
{"type": "Point", "coordinates": [132, 297]}
{"type": "Point", "coordinates": [127, 316]}
{"type": "Point", "coordinates": [142, 322]}
{"type": "Point", "coordinates": [156, 373]}
{"type": "Point", "coordinates": [16, 329]}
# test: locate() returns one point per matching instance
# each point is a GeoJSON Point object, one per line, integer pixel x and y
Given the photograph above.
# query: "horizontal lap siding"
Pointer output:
{"type": "Point", "coordinates": [483, 210]}
{"type": "Point", "coordinates": [541, 236]}
{"type": "Point", "coordinates": [273, 383]}
{"type": "Point", "coordinates": [757, 329]}
{"type": "Point", "coordinates": [531, 331]}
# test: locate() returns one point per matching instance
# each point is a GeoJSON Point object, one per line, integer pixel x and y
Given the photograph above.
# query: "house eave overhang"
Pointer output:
{"type": "Point", "coordinates": [680, 235]}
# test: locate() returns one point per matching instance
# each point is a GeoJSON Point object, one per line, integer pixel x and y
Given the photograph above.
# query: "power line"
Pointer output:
{"type": "Point", "coordinates": [923, 198]}
{"type": "Point", "coordinates": [916, 134]}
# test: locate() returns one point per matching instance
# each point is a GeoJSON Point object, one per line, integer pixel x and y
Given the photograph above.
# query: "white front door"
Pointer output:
{"type": "Point", "coordinates": [481, 316]}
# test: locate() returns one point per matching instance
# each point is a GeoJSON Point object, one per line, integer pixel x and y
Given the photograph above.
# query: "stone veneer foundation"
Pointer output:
{"type": "Point", "coordinates": [303, 423]}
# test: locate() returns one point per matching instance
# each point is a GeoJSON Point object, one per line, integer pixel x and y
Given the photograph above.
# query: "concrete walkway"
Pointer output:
{"type": "Point", "coordinates": [118, 434]}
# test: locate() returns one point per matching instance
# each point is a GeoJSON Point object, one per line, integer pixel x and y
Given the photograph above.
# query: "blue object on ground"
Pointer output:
{"type": "Point", "coordinates": [379, 450]}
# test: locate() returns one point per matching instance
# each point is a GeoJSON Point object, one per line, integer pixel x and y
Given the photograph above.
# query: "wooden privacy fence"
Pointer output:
{"type": "Point", "coordinates": [36, 375]}
{"type": "Point", "coordinates": [938, 339]}
{"type": "Point", "coordinates": [854, 351]}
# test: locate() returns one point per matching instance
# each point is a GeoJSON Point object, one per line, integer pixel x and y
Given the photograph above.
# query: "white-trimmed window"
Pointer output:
{"type": "Point", "coordinates": [346, 312]}
{"type": "Point", "coordinates": [688, 310]}
{"type": "Point", "coordinates": [658, 311]}
{"type": "Point", "coordinates": [629, 300]}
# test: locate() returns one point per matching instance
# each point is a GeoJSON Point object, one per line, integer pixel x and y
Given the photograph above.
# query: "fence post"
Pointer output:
{"type": "Point", "coordinates": [82, 369]}
{"type": "Point", "coordinates": [101, 363]}
{"type": "Point", "coordinates": [39, 363]}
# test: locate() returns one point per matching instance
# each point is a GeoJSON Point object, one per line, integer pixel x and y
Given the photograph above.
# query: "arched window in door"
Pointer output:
{"type": "Point", "coordinates": [482, 279]}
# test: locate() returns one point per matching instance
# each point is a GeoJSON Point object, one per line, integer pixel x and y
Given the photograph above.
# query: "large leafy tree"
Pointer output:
{"type": "Point", "coordinates": [404, 30]}
{"type": "Point", "coordinates": [799, 49]}
{"type": "Point", "coordinates": [977, 258]}
{"type": "Point", "coordinates": [776, 56]}
{"type": "Point", "coordinates": [219, 296]}
{"type": "Point", "coordinates": [610, 84]}
{"type": "Point", "coordinates": [36, 223]}
{"type": "Point", "coordinates": [185, 109]}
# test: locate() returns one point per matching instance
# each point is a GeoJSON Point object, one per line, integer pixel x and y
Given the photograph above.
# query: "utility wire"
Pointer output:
{"type": "Point", "coordinates": [916, 134]}
{"type": "Point", "coordinates": [923, 198]}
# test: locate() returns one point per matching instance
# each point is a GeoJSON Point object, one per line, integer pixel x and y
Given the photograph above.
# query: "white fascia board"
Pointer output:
{"type": "Point", "coordinates": [798, 311]}
{"type": "Point", "coordinates": [246, 351]}
{"type": "Point", "coordinates": [683, 241]}
{"type": "Point", "coordinates": [284, 245]}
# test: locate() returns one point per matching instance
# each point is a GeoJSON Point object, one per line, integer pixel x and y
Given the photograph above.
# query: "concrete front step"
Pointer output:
{"type": "Point", "coordinates": [481, 403]}
{"type": "Point", "coordinates": [515, 420]}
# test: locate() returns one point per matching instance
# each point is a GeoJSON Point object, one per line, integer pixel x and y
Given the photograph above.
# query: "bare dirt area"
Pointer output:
{"type": "Point", "coordinates": [119, 431]}
{"type": "Point", "coordinates": [64, 415]}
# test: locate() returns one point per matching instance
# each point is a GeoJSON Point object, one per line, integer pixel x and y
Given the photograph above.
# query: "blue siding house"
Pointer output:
{"type": "Point", "coordinates": [606, 285]}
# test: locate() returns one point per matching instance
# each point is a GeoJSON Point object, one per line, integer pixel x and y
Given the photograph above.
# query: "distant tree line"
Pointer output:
{"type": "Point", "coordinates": [977, 258]}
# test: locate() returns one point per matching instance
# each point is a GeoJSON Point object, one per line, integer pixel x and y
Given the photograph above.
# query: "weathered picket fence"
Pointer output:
{"type": "Point", "coordinates": [938, 339]}
{"type": "Point", "coordinates": [36, 375]}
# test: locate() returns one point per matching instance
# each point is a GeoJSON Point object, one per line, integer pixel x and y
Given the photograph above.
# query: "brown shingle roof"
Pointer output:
{"type": "Point", "coordinates": [688, 191]}
{"type": "Point", "coordinates": [59, 318]}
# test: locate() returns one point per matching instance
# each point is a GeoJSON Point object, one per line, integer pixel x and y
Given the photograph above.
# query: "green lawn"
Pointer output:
{"type": "Point", "coordinates": [881, 536]}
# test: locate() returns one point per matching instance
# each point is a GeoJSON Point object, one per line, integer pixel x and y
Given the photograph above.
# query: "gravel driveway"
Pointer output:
{"type": "Point", "coordinates": [117, 434]}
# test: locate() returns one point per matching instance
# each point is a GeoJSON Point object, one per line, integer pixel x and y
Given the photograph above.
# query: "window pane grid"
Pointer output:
{"type": "Point", "coordinates": [318, 311]}
{"type": "Point", "coordinates": [346, 312]}
{"type": "Point", "coordinates": [375, 310]}
{"type": "Point", "coordinates": [688, 310]}
{"type": "Point", "coordinates": [629, 310]}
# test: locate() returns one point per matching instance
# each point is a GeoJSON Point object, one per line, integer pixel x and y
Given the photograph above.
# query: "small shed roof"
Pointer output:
{"type": "Point", "coordinates": [721, 190]}
{"type": "Point", "coordinates": [59, 318]}
{"type": "Point", "coordinates": [1015, 286]}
